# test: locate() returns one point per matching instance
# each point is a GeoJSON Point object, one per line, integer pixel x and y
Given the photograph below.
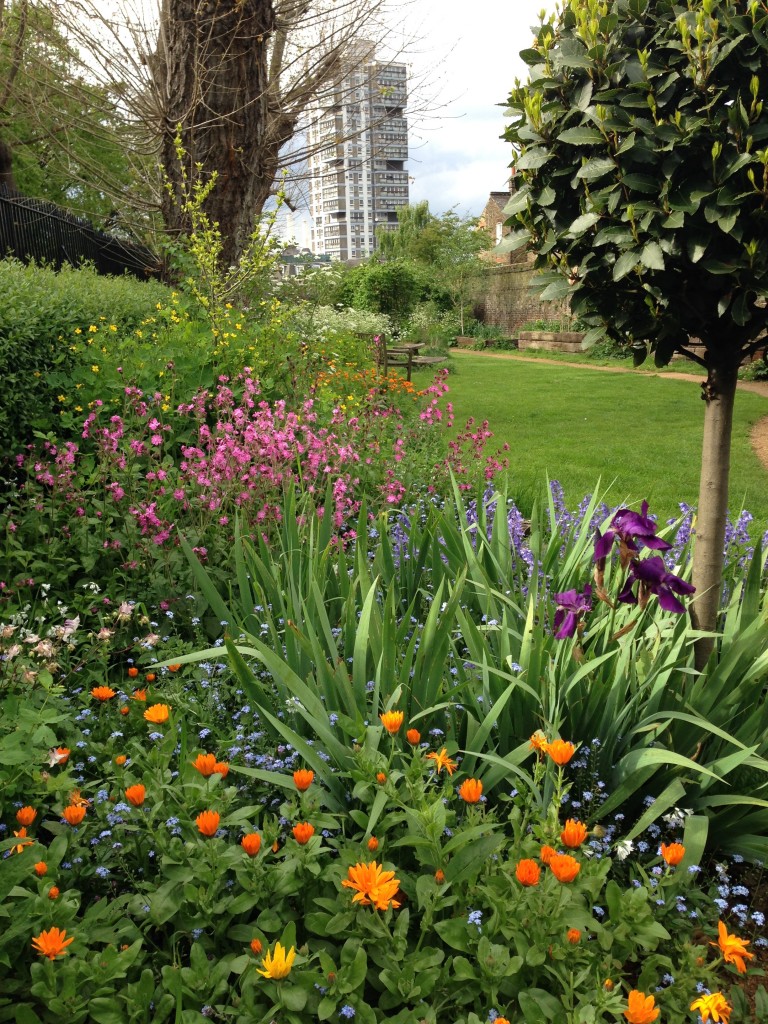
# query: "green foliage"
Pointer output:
{"type": "Point", "coordinates": [393, 288]}
{"type": "Point", "coordinates": [641, 153]}
{"type": "Point", "coordinates": [446, 247]}
{"type": "Point", "coordinates": [69, 141]}
{"type": "Point", "coordinates": [39, 315]}
{"type": "Point", "coordinates": [199, 253]}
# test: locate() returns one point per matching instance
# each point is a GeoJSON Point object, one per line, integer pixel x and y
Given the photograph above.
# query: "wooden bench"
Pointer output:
{"type": "Point", "coordinates": [405, 356]}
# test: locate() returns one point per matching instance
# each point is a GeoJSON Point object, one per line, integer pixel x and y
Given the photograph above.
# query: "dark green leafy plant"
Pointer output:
{"type": "Point", "coordinates": [642, 170]}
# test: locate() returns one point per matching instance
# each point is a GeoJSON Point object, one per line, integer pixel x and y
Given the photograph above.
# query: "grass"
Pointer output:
{"type": "Point", "coordinates": [640, 435]}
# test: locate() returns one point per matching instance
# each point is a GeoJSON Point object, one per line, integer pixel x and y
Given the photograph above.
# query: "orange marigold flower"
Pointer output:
{"type": "Point", "coordinates": [561, 751]}
{"type": "Point", "coordinates": [392, 721]}
{"type": "Point", "coordinates": [527, 872]}
{"type": "Point", "coordinates": [120, 760]}
{"type": "Point", "coordinates": [442, 760]}
{"type": "Point", "coordinates": [714, 1006]}
{"type": "Point", "coordinates": [132, 672]}
{"type": "Point", "coordinates": [381, 778]}
{"type": "Point", "coordinates": [573, 834]}
{"type": "Point", "coordinates": [150, 677]}
{"type": "Point", "coordinates": [539, 742]}
{"type": "Point", "coordinates": [41, 868]}
{"type": "Point", "coordinates": [26, 815]}
{"type": "Point", "coordinates": [52, 943]}
{"type": "Point", "coordinates": [413, 736]}
{"type": "Point", "coordinates": [140, 695]}
{"type": "Point", "coordinates": [76, 799]}
{"type": "Point", "coordinates": [733, 948]}
{"type": "Point", "coordinates": [208, 822]}
{"type": "Point", "coordinates": [673, 853]}
{"type": "Point", "coordinates": [62, 754]}
{"type": "Point", "coordinates": [157, 714]}
{"type": "Point", "coordinates": [125, 710]}
{"type": "Point", "coordinates": [175, 667]}
{"type": "Point", "coordinates": [221, 768]}
{"type": "Point", "coordinates": [439, 876]}
{"type": "Point", "coordinates": [205, 764]}
{"type": "Point", "coordinates": [501, 1020]}
{"type": "Point", "coordinates": [275, 846]}
{"type": "Point", "coordinates": [303, 832]}
{"type": "Point", "coordinates": [573, 935]}
{"type": "Point", "coordinates": [564, 867]}
{"type": "Point", "coordinates": [21, 834]}
{"type": "Point", "coordinates": [373, 844]}
{"type": "Point", "coordinates": [547, 853]}
{"type": "Point", "coordinates": [374, 886]}
{"type": "Point", "coordinates": [136, 794]}
{"type": "Point", "coordinates": [103, 692]}
{"type": "Point", "coordinates": [608, 985]}
{"type": "Point", "coordinates": [303, 779]}
{"type": "Point", "coordinates": [471, 790]}
{"type": "Point", "coordinates": [53, 892]}
{"type": "Point", "coordinates": [73, 814]}
{"type": "Point", "coordinates": [251, 843]}
{"type": "Point", "coordinates": [641, 1009]}
{"type": "Point", "coordinates": [256, 946]}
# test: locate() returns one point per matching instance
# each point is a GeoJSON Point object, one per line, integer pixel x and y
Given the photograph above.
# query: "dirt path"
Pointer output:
{"type": "Point", "coordinates": [758, 437]}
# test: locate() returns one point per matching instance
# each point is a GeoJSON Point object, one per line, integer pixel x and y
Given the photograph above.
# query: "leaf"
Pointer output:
{"type": "Point", "coordinates": [556, 290]}
{"type": "Point", "coordinates": [625, 264]}
{"type": "Point", "coordinates": [583, 223]}
{"type": "Point", "coordinates": [533, 158]}
{"type": "Point", "coordinates": [470, 860]}
{"type": "Point", "coordinates": [652, 257]}
{"type": "Point", "coordinates": [581, 136]}
{"type": "Point", "coordinates": [596, 167]}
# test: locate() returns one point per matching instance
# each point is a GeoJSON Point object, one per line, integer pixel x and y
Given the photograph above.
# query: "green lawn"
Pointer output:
{"type": "Point", "coordinates": [640, 435]}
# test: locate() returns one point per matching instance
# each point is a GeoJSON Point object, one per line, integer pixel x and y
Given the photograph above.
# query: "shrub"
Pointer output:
{"type": "Point", "coordinates": [39, 315]}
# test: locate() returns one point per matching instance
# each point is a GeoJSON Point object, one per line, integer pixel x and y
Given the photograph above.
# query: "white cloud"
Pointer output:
{"type": "Point", "coordinates": [457, 156]}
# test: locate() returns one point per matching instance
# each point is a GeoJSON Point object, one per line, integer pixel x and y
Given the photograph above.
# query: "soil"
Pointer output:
{"type": "Point", "coordinates": [759, 435]}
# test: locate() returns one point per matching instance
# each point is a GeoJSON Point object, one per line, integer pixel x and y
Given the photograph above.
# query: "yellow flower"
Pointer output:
{"type": "Point", "coordinates": [374, 885]}
{"type": "Point", "coordinates": [732, 948]}
{"type": "Point", "coordinates": [112, 328]}
{"type": "Point", "coordinates": [78, 330]}
{"type": "Point", "coordinates": [392, 721]}
{"type": "Point", "coordinates": [442, 760]}
{"type": "Point", "coordinates": [92, 329]}
{"type": "Point", "coordinates": [94, 369]}
{"type": "Point", "coordinates": [715, 1006]}
{"type": "Point", "coordinates": [278, 964]}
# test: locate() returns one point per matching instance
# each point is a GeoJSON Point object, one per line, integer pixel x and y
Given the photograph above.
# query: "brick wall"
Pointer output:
{"type": "Point", "coordinates": [510, 301]}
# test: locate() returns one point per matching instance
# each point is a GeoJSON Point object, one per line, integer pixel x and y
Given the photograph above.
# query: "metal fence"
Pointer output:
{"type": "Point", "coordinates": [32, 229]}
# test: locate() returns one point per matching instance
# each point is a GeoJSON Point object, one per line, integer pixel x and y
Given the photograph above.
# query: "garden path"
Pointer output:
{"type": "Point", "coordinates": [759, 436]}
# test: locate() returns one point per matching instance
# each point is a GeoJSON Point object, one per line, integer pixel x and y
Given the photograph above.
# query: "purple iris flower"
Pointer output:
{"type": "Point", "coordinates": [571, 608]}
{"type": "Point", "coordinates": [652, 575]}
{"type": "Point", "coordinates": [633, 530]}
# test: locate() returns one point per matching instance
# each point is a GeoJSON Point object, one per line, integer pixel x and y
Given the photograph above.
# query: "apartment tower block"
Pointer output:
{"type": "Point", "coordinates": [358, 140]}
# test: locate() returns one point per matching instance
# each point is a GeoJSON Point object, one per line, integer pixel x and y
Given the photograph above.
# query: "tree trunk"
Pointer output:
{"type": "Point", "coordinates": [708, 553]}
{"type": "Point", "coordinates": [210, 72]}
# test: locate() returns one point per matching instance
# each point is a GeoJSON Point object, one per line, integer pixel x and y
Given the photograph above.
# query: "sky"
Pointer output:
{"type": "Point", "coordinates": [457, 157]}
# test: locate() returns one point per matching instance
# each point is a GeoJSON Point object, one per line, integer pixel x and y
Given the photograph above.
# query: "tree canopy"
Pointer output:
{"type": "Point", "coordinates": [641, 162]}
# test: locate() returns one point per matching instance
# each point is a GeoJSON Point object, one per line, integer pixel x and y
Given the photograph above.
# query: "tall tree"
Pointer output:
{"type": "Point", "coordinates": [641, 160]}
{"type": "Point", "coordinates": [237, 77]}
{"type": "Point", "coordinates": [61, 135]}
{"type": "Point", "coordinates": [448, 247]}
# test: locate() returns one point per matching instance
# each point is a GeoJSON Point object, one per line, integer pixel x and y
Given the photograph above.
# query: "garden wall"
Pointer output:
{"type": "Point", "coordinates": [510, 301]}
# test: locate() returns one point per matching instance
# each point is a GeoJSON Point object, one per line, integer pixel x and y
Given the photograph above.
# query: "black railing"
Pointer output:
{"type": "Point", "coordinates": [39, 231]}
